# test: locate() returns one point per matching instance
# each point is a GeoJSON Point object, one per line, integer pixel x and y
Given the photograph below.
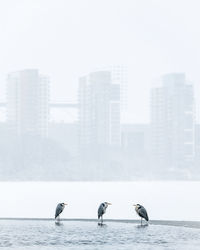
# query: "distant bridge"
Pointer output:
{"type": "Point", "coordinates": [53, 105]}
{"type": "Point", "coordinates": [63, 105]}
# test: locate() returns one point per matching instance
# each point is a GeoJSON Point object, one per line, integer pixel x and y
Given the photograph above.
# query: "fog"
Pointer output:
{"type": "Point", "coordinates": [99, 90]}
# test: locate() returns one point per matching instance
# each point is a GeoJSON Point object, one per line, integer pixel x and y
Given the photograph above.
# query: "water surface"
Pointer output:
{"type": "Point", "coordinates": [32, 235]}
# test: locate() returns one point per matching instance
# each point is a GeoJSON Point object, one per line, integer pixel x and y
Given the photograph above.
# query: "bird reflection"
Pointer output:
{"type": "Point", "coordinates": [58, 223]}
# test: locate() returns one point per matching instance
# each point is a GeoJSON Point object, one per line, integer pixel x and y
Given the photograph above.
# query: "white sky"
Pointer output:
{"type": "Point", "coordinates": [65, 39]}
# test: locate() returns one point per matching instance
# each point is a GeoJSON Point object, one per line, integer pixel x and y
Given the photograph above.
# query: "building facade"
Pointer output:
{"type": "Point", "coordinates": [135, 138]}
{"type": "Point", "coordinates": [197, 144]}
{"type": "Point", "coordinates": [172, 121]}
{"type": "Point", "coordinates": [99, 110]}
{"type": "Point", "coordinates": [119, 76]}
{"type": "Point", "coordinates": [28, 103]}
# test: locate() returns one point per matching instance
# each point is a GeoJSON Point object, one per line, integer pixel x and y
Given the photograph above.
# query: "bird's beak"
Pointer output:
{"type": "Point", "coordinates": [65, 204]}
{"type": "Point", "coordinates": [134, 205]}
{"type": "Point", "coordinates": [109, 203]}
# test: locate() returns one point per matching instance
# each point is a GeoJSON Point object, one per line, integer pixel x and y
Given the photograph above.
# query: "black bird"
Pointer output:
{"type": "Point", "coordinates": [142, 212]}
{"type": "Point", "coordinates": [60, 207]}
{"type": "Point", "coordinates": [102, 210]}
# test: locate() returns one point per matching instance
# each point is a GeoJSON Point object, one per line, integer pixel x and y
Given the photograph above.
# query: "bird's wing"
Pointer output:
{"type": "Point", "coordinates": [143, 213]}
{"type": "Point", "coordinates": [101, 210]}
{"type": "Point", "coordinates": [59, 210]}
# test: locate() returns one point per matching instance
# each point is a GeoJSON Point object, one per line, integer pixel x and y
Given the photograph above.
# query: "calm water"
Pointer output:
{"type": "Point", "coordinates": [46, 235]}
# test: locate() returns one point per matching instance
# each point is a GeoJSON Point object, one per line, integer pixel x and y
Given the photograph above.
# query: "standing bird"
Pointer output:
{"type": "Point", "coordinates": [142, 212]}
{"type": "Point", "coordinates": [102, 210]}
{"type": "Point", "coordinates": [60, 207]}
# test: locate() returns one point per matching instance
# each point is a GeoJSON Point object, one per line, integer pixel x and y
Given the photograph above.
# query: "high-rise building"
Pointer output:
{"type": "Point", "coordinates": [119, 76]}
{"type": "Point", "coordinates": [172, 120]}
{"type": "Point", "coordinates": [28, 103]}
{"type": "Point", "coordinates": [99, 110]}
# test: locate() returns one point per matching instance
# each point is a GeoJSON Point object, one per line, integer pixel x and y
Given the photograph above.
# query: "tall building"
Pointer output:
{"type": "Point", "coordinates": [28, 103]}
{"type": "Point", "coordinates": [119, 76]}
{"type": "Point", "coordinates": [99, 110]}
{"type": "Point", "coordinates": [172, 120]}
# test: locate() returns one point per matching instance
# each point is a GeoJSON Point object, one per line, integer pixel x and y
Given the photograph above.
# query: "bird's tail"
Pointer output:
{"type": "Point", "coordinates": [57, 217]}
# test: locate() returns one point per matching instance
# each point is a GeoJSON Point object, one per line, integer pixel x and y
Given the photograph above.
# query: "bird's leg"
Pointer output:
{"type": "Point", "coordinates": [141, 221]}
{"type": "Point", "coordinates": [101, 220]}
{"type": "Point", "coordinates": [57, 219]}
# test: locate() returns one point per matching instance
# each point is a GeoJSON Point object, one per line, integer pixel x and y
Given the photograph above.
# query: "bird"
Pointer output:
{"type": "Point", "coordinates": [142, 212]}
{"type": "Point", "coordinates": [102, 210]}
{"type": "Point", "coordinates": [60, 207]}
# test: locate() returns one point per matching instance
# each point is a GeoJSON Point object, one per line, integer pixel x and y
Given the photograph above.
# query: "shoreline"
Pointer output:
{"type": "Point", "coordinates": [188, 224]}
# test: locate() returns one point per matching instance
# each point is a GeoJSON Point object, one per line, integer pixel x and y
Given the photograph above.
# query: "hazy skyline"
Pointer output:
{"type": "Point", "coordinates": [66, 39]}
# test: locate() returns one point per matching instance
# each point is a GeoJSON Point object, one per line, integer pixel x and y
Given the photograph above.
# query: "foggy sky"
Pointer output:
{"type": "Point", "coordinates": [65, 39]}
